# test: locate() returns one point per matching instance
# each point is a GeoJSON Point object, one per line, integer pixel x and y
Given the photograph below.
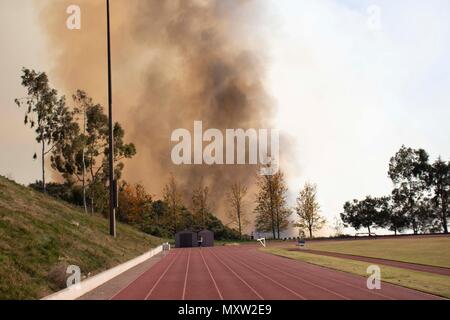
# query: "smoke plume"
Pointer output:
{"type": "Point", "coordinates": [174, 61]}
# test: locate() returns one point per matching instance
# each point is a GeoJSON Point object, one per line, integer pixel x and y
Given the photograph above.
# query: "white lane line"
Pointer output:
{"type": "Point", "coordinates": [132, 282]}
{"type": "Point", "coordinates": [290, 266]}
{"type": "Point", "coordinates": [302, 279]}
{"type": "Point", "coordinates": [273, 280]}
{"type": "Point", "coordinates": [161, 277]}
{"type": "Point", "coordinates": [237, 276]}
{"type": "Point", "coordinates": [210, 274]}
{"type": "Point", "coordinates": [186, 275]}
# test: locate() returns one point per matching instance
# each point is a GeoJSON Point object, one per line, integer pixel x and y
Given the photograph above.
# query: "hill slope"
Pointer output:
{"type": "Point", "coordinates": [40, 236]}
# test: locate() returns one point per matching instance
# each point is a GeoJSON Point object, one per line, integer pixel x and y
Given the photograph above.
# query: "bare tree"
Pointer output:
{"type": "Point", "coordinates": [237, 213]}
{"type": "Point", "coordinates": [200, 206]}
{"type": "Point", "coordinates": [308, 210]}
{"type": "Point", "coordinates": [83, 102]}
{"type": "Point", "coordinates": [172, 197]}
{"type": "Point", "coordinates": [272, 212]}
{"type": "Point", "coordinates": [338, 226]}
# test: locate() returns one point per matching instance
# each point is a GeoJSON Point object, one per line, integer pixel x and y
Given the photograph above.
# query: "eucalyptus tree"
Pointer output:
{"type": "Point", "coordinates": [368, 213]}
{"type": "Point", "coordinates": [440, 183]}
{"type": "Point", "coordinates": [409, 170]}
{"type": "Point", "coordinates": [45, 112]}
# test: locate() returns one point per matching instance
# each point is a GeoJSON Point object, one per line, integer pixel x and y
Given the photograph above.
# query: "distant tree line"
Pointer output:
{"type": "Point", "coordinates": [74, 136]}
{"type": "Point", "coordinates": [167, 216]}
{"type": "Point", "coordinates": [419, 200]}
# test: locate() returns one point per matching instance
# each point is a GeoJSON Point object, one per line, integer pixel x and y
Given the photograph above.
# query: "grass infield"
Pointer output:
{"type": "Point", "coordinates": [433, 251]}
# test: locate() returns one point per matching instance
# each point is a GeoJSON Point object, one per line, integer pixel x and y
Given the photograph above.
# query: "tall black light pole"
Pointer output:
{"type": "Point", "coordinates": [112, 182]}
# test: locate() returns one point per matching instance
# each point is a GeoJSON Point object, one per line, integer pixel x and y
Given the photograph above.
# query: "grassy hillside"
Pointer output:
{"type": "Point", "coordinates": [40, 236]}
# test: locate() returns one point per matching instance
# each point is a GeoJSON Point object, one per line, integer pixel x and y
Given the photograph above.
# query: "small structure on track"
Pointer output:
{"type": "Point", "coordinates": [206, 238]}
{"type": "Point", "coordinates": [186, 239]}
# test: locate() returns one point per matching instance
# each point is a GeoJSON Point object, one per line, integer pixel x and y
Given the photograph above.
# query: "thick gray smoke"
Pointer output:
{"type": "Point", "coordinates": [174, 61]}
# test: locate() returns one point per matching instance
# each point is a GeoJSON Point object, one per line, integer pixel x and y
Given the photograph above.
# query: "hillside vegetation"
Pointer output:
{"type": "Point", "coordinates": [40, 236]}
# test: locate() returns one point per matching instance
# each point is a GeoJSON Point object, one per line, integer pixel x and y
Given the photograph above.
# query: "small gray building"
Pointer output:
{"type": "Point", "coordinates": [206, 238]}
{"type": "Point", "coordinates": [186, 239]}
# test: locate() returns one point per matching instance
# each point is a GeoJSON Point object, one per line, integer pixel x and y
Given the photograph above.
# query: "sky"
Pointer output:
{"type": "Point", "coordinates": [352, 92]}
{"type": "Point", "coordinates": [22, 44]}
{"type": "Point", "coordinates": [352, 82]}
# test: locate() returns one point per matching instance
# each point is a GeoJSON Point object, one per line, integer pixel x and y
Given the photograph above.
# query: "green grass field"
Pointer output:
{"type": "Point", "coordinates": [433, 251]}
{"type": "Point", "coordinates": [422, 281]}
{"type": "Point", "coordinates": [40, 236]}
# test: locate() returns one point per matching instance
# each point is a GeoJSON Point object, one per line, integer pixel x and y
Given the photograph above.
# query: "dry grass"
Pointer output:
{"type": "Point", "coordinates": [433, 251]}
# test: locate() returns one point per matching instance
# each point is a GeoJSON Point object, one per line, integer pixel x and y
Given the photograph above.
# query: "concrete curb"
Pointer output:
{"type": "Point", "coordinates": [90, 284]}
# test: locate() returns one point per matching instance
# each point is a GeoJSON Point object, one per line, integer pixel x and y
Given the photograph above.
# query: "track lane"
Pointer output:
{"type": "Point", "coordinates": [138, 289]}
{"type": "Point", "coordinates": [170, 285]}
{"type": "Point", "coordinates": [336, 280]}
{"type": "Point", "coordinates": [237, 275]}
{"type": "Point", "coordinates": [230, 284]}
{"type": "Point", "coordinates": [353, 289]}
{"type": "Point", "coordinates": [186, 275]}
{"type": "Point", "coordinates": [245, 273]}
{"type": "Point", "coordinates": [308, 289]}
{"type": "Point", "coordinates": [354, 286]}
{"type": "Point", "coordinates": [211, 276]}
{"type": "Point", "coordinates": [266, 287]}
{"type": "Point", "coordinates": [199, 283]}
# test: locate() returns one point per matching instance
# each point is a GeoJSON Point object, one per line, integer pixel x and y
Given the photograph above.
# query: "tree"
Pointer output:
{"type": "Point", "coordinates": [83, 103]}
{"type": "Point", "coordinates": [154, 221]}
{"type": "Point", "coordinates": [200, 206]}
{"type": "Point", "coordinates": [82, 157]}
{"type": "Point", "coordinates": [69, 157]}
{"type": "Point", "coordinates": [272, 212]}
{"type": "Point", "coordinates": [134, 203]}
{"type": "Point", "coordinates": [99, 166]}
{"type": "Point", "coordinates": [440, 183]}
{"type": "Point", "coordinates": [172, 198]}
{"type": "Point", "coordinates": [390, 216]}
{"type": "Point", "coordinates": [237, 214]}
{"type": "Point", "coordinates": [308, 210]}
{"type": "Point", "coordinates": [427, 216]}
{"type": "Point", "coordinates": [220, 230]}
{"type": "Point", "coordinates": [337, 226]}
{"type": "Point", "coordinates": [408, 170]}
{"type": "Point", "coordinates": [395, 218]}
{"type": "Point", "coordinates": [368, 213]}
{"type": "Point", "coordinates": [45, 111]}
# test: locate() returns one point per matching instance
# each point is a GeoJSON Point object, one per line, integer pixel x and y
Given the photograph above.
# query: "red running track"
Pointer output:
{"type": "Point", "coordinates": [244, 273]}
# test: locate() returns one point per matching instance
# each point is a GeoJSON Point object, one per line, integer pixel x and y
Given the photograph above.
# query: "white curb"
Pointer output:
{"type": "Point", "coordinates": [90, 284]}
